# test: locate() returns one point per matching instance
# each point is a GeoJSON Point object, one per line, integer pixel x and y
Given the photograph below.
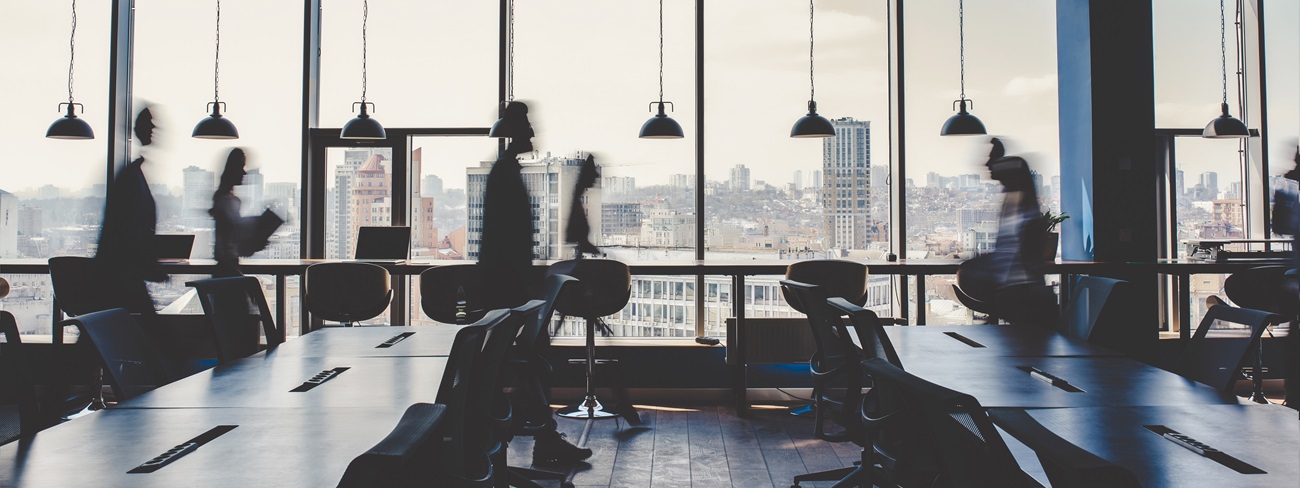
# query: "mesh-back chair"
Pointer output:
{"type": "Point", "coordinates": [1215, 359]}
{"type": "Point", "coordinates": [448, 291]}
{"type": "Point", "coordinates": [1092, 314]}
{"type": "Point", "coordinates": [530, 398]}
{"type": "Point", "coordinates": [837, 380]}
{"type": "Point", "coordinates": [872, 339]}
{"type": "Point", "coordinates": [462, 459]}
{"type": "Point", "coordinates": [398, 460]}
{"type": "Point", "coordinates": [239, 315]}
{"type": "Point", "coordinates": [347, 292]}
{"type": "Point", "coordinates": [496, 356]}
{"type": "Point", "coordinates": [952, 426]}
{"type": "Point", "coordinates": [73, 283]}
{"type": "Point", "coordinates": [20, 412]}
{"type": "Point", "coordinates": [125, 351]}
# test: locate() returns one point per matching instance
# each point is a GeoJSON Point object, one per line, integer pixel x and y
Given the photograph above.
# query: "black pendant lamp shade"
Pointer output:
{"type": "Point", "coordinates": [215, 126]}
{"type": "Point", "coordinates": [661, 126]}
{"type": "Point", "coordinates": [362, 126]}
{"type": "Point", "coordinates": [812, 125]}
{"type": "Point", "coordinates": [963, 123]}
{"type": "Point", "coordinates": [1225, 126]}
{"type": "Point", "coordinates": [69, 126]}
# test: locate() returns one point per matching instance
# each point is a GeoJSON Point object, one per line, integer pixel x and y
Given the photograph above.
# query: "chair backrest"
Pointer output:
{"type": "Point", "coordinates": [1262, 288]}
{"type": "Point", "coordinates": [1215, 361]}
{"type": "Point", "coordinates": [972, 289]}
{"type": "Point", "coordinates": [1092, 313]}
{"type": "Point", "coordinates": [127, 354]}
{"type": "Point", "coordinates": [73, 283]}
{"type": "Point", "coordinates": [872, 339]}
{"type": "Point", "coordinates": [389, 463]}
{"type": "Point", "coordinates": [838, 277]}
{"type": "Point", "coordinates": [604, 289]}
{"type": "Point", "coordinates": [20, 414]}
{"type": "Point", "coordinates": [1066, 465]}
{"type": "Point", "coordinates": [347, 292]}
{"type": "Point", "coordinates": [966, 446]}
{"type": "Point", "coordinates": [492, 368]}
{"type": "Point", "coordinates": [442, 288]}
{"type": "Point", "coordinates": [461, 455]}
{"type": "Point", "coordinates": [831, 336]}
{"type": "Point", "coordinates": [237, 310]}
{"type": "Point", "coordinates": [533, 337]}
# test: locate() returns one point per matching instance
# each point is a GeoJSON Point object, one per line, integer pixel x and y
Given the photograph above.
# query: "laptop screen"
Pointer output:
{"type": "Point", "coordinates": [383, 242]}
{"type": "Point", "coordinates": [173, 246]}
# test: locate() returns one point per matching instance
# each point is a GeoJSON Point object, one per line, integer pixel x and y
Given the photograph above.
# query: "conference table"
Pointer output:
{"type": "Point", "coordinates": [1264, 437]}
{"type": "Point", "coordinates": [376, 341]}
{"type": "Point", "coordinates": [931, 342]}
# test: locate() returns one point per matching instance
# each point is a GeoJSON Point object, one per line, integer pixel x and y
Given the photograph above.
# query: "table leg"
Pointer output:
{"type": "Point", "coordinates": [920, 299]}
{"type": "Point", "coordinates": [739, 381]}
{"type": "Point", "coordinates": [1183, 283]}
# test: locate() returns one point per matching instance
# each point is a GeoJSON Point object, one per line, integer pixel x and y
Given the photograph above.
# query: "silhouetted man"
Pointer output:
{"type": "Point", "coordinates": [125, 257]}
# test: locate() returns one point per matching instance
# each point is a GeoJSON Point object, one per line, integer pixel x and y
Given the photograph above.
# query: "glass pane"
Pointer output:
{"type": "Point", "coordinates": [1210, 204]}
{"type": "Point", "coordinates": [1282, 50]}
{"type": "Point", "coordinates": [428, 64]}
{"type": "Point", "coordinates": [358, 193]}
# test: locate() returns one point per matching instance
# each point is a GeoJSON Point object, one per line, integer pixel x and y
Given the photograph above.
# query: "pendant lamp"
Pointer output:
{"type": "Point", "coordinates": [811, 125]}
{"type": "Point", "coordinates": [500, 129]}
{"type": "Point", "coordinates": [1225, 126]}
{"type": "Point", "coordinates": [362, 126]}
{"type": "Point", "coordinates": [963, 123]}
{"type": "Point", "coordinates": [661, 126]}
{"type": "Point", "coordinates": [69, 126]}
{"type": "Point", "coordinates": [215, 126]}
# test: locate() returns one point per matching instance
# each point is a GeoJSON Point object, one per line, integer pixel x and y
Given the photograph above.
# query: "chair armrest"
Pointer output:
{"type": "Point", "coordinates": [1065, 463]}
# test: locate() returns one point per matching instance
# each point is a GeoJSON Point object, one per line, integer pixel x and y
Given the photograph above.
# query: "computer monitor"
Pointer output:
{"type": "Point", "coordinates": [383, 243]}
{"type": "Point", "coordinates": [173, 247]}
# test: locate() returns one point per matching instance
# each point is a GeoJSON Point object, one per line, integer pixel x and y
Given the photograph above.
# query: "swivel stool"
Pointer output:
{"type": "Point", "coordinates": [603, 288]}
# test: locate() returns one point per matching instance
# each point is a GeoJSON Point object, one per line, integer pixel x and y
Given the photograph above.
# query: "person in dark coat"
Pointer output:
{"type": "Point", "coordinates": [125, 257]}
{"type": "Point", "coordinates": [506, 249]}
{"type": "Point", "coordinates": [578, 229]}
{"type": "Point", "coordinates": [227, 233]}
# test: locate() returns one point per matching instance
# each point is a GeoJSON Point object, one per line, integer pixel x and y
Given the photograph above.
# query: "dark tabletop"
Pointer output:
{"type": "Point", "coordinates": [998, 340]}
{"type": "Point", "coordinates": [270, 447]}
{"type": "Point", "coordinates": [265, 382]}
{"type": "Point", "coordinates": [355, 342]}
{"type": "Point", "coordinates": [1264, 436]}
{"type": "Point", "coordinates": [998, 381]}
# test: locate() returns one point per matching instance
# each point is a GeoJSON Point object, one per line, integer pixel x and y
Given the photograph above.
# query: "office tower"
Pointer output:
{"type": "Point", "coordinates": [48, 192]}
{"type": "Point", "coordinates": [680, 181]}
{"type": "Point", "coordinates": [739, 178]}
{"type": "Point", "coordinates": [1210, 180]}
{"type": "Point", "coordinates": [196, 197]}
{"type": "Point", "coordinates": [798, 180]}
{"type": "Point", "coordinates": [550, 181]}
{"type": "Point", "coordinates": [338, 239]}
{"type": "Point", "coordinates": [846, 186]}
{"type": "Point", "coordinates": [424, 233]}
{"type": "Point", "coordinates": [250, 193]}
{"type": "Point", "coordinates": [1056, 185]}
{"type": "Point", "coordinates": [8, 225]}
{"type": "Point", "coordinates": [816, 182]}
{"type": "Point", "coordinates": [621, 218]}
{"type": "Point", "coordinates": [617, 185]}
{"type": "Point", "coordinates": [430, 185]}
{"type": "Point", "coordinates": [370, 201]}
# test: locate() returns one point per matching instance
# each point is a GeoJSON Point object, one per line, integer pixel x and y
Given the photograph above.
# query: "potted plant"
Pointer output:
{"type": "Point", "coordinates": [1053, 238]}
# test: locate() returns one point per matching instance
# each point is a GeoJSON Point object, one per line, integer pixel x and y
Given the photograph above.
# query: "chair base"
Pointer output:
{"type": "Point", "coordinates": [526, 477]}
{"type": "Point", "coordinates": [588, 408]}
{"type": "Point", "coordinates": [842, 476]}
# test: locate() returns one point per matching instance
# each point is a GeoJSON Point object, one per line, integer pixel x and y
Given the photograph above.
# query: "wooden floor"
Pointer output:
{"type": "Point", "coordinates": [698, 446]}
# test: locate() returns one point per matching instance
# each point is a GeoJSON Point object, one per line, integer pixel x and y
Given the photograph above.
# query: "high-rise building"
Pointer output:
{"type": "Point", "coordinates": [8, 225]}
{"type": "Point", "coordinates": [680, 181]}
{"type": "Point", "coordinates": [1182, 184]}
{"type": "Point", "coordinates": [1210, 180]}
{"type": "Point", "coordinates": [739, 178]}
{"type": "Point", "coordinates": [424, 233]}
{"type": "Point", "coordinates": [338, 236]}
{"type": "Point", "coordinates": [370, 200]}
{"type": "Point", "coordinates": [430, 185]}
{"type": "Point", "coordinates": [550, 181]}
{"type": "Point", "coordinates": [617, 185]}
{"type": "Point", "coordinates": [846, 185]}
{"type": "Point", "coordinates": [250, 193]}
{"type": "Point", "coordinates": [816, 182]}
{"type": "Point", "coordinates": [196, 197]}
{"type": "Point", "coordinates": [620, 218]}
{"type": "Point", "coordinates": [48, 192]}
{"type": "Point", "coordinates": [797, 180]}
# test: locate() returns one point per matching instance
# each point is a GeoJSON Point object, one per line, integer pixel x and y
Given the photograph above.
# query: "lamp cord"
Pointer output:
{"type": "Point", "coordinates": [661, 52]}
{"type": "Point", "coordinates": [365, 19]}
{"type": "Point", "coordinates": [510, 54]}
{"type": "Point", "coordinates": [961, 43]}
{"type": "Point", "coordinates": [1241, 66]}
{"type": "Point", "coordinates": [72, 49]}
{"type": "Point", "coordinates": [216, 64]}
{"type": "Point", "coordinates": [1223, 50]}
{"type": "Point", "coordinates": [812, 87]}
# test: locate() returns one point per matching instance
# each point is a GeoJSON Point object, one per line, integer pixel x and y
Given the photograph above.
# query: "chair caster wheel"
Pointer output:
{"type": "Point", "coordinates": [566, 484]}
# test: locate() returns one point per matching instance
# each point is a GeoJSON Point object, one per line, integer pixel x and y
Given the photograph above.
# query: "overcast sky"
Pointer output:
{"type": "Point", "coordinates": [589, 68]}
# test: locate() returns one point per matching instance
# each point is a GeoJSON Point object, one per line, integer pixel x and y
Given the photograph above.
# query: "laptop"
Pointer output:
{"type": "Point", "coordinates": [386, 244]}
{"type": "Point", "coordinates": [173, 248]}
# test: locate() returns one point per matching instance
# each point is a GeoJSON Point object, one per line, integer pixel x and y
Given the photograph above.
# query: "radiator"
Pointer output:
{"type": "Point", "coordinates": [773, 340]}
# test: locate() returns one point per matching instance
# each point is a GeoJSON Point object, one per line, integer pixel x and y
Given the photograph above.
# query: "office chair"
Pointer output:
{"type": "Point", "coordinates": [1271, 289]}
{"type": "Point", "coordinates": [21, 415]}
{"type": "Point", "coordinates": [1092, 314]}
{"type": "Point", "coordinates": [604, 287]}
{"type": "Point", "coordinates": [347, 292]}
{"type": "Point", "coordinates": [465, 430]}
{"type": "Point", "coordinates": [872, 339]}
{"type": "Point", "coordinates": [392, 462]}
{"type": "Point", "coordinates": [967, 448]}
{"type": "Point", "coordinates": [239, 315]}
{"type": "Point", "coordinates": [125, 351]}
{"type": "Point", "coordinates": [837, 380]}
{"type": "Point", "coordinates": [975, 296]}
{"type": "Point", "coordinates": [453, 294]}
{"type": "Point", "coordinates": [1217, 362]}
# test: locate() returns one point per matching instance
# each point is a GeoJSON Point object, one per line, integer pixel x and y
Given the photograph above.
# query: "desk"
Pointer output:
{"type": "Point", "coordinates": [1265, 436]}
{"type": "Point", "coordinates": [262, 381]}
{"type": "Point", "coordinates": [997, 381]}
{"type": "Point", "coordinates": [271, 447]}
{"type": "Point", "coordinates": [933, 343]}
{"type": "Point", "coordinates": [358, 342]}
